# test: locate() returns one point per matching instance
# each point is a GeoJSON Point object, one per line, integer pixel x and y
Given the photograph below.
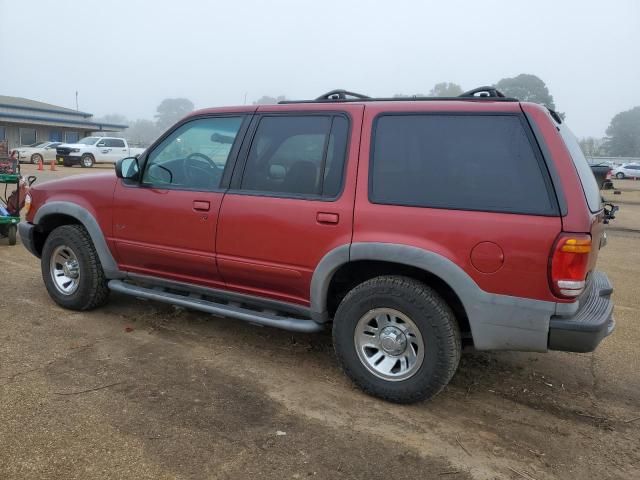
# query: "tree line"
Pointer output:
{"type": "Point", "coordinates": [622, 136]}
{"type": "Point", "coordinates": [143, 132]}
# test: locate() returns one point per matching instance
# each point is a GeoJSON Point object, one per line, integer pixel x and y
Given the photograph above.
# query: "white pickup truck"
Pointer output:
{"type": "Point", "coordinates": [91, 150]}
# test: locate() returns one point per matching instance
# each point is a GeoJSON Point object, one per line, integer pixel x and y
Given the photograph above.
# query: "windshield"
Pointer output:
{"type": "Point", "coordinates": [38, 144]}
{"type": "Point", "coordinates": [88, 140]}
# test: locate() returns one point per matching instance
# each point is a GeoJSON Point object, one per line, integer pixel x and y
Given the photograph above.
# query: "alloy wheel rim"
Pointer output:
{"type": "Point", "coordinates": [65, 270]}
{"type": "Point", "coordinates": [389, 344]}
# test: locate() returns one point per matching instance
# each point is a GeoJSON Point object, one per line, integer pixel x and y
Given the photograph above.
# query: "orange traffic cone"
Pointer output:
{"type": "Point", "coordinates": [40, 165]}
{"type": "Point", "coordinates": [53, 166]}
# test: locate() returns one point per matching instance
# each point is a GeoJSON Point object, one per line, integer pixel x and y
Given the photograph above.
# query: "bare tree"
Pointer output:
{"type": "Point", "coordinates": [445, 89]}
{"type": "Point", "coordinates": [171, 110]}
{"type": "Point", "coordinates": [267, 100]}
{"type": "Point", "coordinates": [142, 133]}
{"type": "Point", "coordinates": [591, 146]}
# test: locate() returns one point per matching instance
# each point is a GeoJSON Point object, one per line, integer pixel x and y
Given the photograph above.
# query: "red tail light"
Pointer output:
{"type": "Point", "coordinates": [568, 264]}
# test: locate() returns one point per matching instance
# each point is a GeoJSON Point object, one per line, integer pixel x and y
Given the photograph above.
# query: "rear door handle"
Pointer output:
{"type": "Point", "coordinates": [201, 205]}
{"type": "Point", "coordinates": [325, 217]}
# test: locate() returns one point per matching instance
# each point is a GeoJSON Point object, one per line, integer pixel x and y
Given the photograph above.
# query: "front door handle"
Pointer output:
{"type": "Point", "coordinates": [325, 217]}
{"type": "Point", "coordinates": [201, 205]}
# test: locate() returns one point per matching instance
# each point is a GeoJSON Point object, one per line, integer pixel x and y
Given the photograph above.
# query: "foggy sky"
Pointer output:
{"type": "Point", "coordinates": [125, 56]}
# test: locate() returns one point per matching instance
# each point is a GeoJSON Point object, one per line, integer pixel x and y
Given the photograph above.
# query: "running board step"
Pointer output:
{"type": "Point", "coordinates": [196, 302]}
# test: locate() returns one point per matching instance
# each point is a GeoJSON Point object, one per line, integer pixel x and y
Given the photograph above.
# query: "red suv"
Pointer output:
{"type": "Point", "coordinates": [412, 226]}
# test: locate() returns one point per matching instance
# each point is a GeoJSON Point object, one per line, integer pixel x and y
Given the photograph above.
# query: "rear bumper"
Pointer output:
{"type": "Point", "coordinates": [593, 321]}
{"type": "Point", "coordinates": [25, 230]}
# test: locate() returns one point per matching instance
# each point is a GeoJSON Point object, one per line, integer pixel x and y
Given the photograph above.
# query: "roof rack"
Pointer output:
{"type": "Point", "coordinates": [340, 96]}
{"type": "Point", "coordinates": [484, 92]}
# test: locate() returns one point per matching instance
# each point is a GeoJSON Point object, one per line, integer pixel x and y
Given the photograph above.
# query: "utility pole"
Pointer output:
{"type": "Point", "coordinates": [77, 100]}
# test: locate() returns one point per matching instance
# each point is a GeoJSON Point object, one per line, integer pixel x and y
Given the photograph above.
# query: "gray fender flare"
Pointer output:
{"type": "Point", "coordinates": [83, 216]}
{"type": "Point", "coordinates": [496, 321]}
{"type": "Point", "coordinates": [431, 262]}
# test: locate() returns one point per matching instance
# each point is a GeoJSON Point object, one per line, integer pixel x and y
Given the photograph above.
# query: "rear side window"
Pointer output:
{"type": "Point", "coordinates": [301, 155]}
{"type": "Point", "coordinates": [114, 142]}
{"type": "Point", "coordinates": [462, 162]}
{"type": "Point", "coordinates": [588, 180]}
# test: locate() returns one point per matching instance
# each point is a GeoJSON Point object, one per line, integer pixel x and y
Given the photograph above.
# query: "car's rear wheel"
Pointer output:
{"type": "Point", "coordinates": [71, 269]}
{"type": "Point", "coordinates": [397, 339]}
{"type": "Point", "coordinates": [620, 175]}
{"type": "Point", "coordinates": [87, 160]}
{"type": "Point", "coordinates": [36, 158]}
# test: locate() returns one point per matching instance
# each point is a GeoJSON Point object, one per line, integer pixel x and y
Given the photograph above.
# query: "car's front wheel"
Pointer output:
{"type": "Point", "coordinates": [36, 158]}
{"type": "Point", "coordinates": [397, 339]}
{"type": "Point", "coordinates": [87, 160]}
{"type": "Point", "coordinates": [620, 175]}
{"type": "Point", "coordinates": [71, 269]}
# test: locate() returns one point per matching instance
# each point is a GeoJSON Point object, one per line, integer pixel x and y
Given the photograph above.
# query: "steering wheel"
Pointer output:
{"type": "Point", "coordinates": [201, 173]}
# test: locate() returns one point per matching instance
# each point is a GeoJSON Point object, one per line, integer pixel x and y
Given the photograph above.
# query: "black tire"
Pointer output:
{"type": "Point", "coordinates": [67, 163]}
{"type": "Point", "coordinates": [620, 175]}
{"type": "Point", "coordinates": [87, 160]}
{"type": "Point", "coordinates": [427, 310]}
{"type": "Point", "coordinates": [92, 290]}
{"type": "Point", "coordinates": [12, 230]}
{"type": "Point", "coordinates": [35, 158]}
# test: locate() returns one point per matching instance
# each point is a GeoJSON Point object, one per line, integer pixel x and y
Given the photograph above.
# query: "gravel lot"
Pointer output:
{"type": "Point", "coordinates": [144, 390]}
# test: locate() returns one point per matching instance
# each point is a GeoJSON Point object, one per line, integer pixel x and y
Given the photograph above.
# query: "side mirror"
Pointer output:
{"type": "Point", "coordinates": [101, 144]}
{"type": "Point", "coordinates": [128, 168]}
{"type": "Point", "coordinates": [609, 212]}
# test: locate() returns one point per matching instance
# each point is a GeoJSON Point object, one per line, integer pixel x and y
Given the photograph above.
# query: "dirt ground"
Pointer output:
{"type": "Point", "coordinates": [144, 390]}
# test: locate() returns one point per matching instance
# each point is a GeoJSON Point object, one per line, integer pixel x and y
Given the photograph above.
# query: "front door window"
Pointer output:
{"type": "Point", "coordinates": [194, 156]}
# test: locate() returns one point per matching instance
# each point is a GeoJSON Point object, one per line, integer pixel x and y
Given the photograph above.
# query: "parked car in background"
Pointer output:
{"type": "Point", "coordinates": [45, 151]}
{"type": "Point", "coordinates": [602, 172]}
{"type": "Point", "coordinates": [411, 227]}
{"type": "Point", "coordinates": [91, 150]}
{"type": "Point", "coordinates": [627, 170]}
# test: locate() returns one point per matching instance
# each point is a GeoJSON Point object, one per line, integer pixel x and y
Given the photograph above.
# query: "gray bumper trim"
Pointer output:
{"type": "Point", "coordinates": [25, 230]}
{"type": "Point", "coordinates": [498, 322]}
{"type": "Point", "coordinates": [593, 321]}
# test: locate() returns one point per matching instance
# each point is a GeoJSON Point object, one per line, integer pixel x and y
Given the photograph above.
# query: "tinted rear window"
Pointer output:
{"type": "Point", "coordinates": [297, 155]}
{"type": "Point", "coordinates": [588, 180]}
{"type": "Point", "coordinates": [464, 162]}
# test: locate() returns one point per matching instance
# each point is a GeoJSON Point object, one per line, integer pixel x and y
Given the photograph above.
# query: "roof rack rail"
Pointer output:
{"type": "Point", "coordinates": [483, 92]}
{"type": "Point", "coordinates": [339, 96]}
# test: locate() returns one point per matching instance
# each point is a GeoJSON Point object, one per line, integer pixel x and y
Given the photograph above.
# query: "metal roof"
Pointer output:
{"type": "Point", "coordinates": [84, 123]}
{"type": "Point", "coordinates": [24, 111]}
{"type": "Point", "coordinates": [26, 104]}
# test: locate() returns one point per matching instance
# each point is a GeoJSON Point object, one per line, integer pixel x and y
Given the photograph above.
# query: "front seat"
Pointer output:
{"type": "Point", "coordinates": [301, 178]}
